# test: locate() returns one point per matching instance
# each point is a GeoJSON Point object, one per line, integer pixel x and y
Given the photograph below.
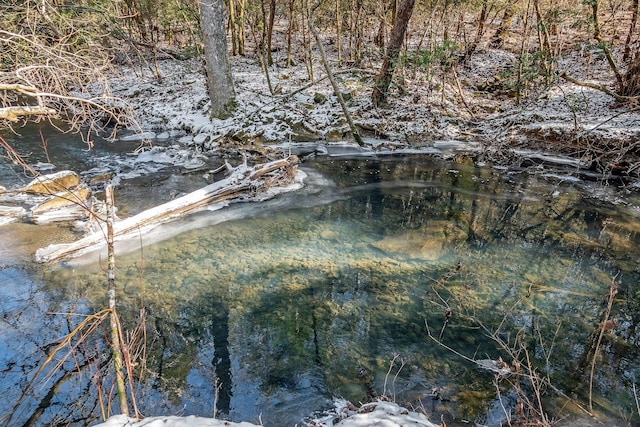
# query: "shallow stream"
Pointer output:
{"type": "Point", "coordinates": [390, 275]}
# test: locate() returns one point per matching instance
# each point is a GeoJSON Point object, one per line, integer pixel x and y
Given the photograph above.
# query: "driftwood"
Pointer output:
{"type": "Point", "coordinates": [56, 197]}
{"type": "Point", "coordinates": [244, 183]}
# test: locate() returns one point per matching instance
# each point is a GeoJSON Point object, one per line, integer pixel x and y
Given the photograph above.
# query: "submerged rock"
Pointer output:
{"type": "Point", "coordinates": [427, 243]}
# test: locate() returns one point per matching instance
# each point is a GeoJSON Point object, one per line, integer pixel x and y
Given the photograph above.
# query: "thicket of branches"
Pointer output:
{"type": "Point", "coordinates": [447, 33]}
{"type": "Point", "coordinates": [55, 58]}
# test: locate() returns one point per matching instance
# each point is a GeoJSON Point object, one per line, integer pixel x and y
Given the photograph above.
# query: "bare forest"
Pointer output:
{"type": "Point", "coordinates": [489, 68]}
{"type": "Point", "coordinates": [504, 81]}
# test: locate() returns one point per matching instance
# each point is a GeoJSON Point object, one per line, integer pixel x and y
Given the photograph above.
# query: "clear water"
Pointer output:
{"type": "Point", "coordinates": [331, 291]}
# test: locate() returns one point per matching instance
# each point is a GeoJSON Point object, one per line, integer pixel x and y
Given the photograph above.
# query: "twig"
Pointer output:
{"type": "Point", "coordinates": [507, 414]}
{"type": "Point", "coordinates": [386, 377]}
{"type": "Point", "coordinates": [613, 290]}
{"type": "Point", "coordinates": [461, 93]}
{"type": "Point", "coordinates": [92, 321]}
{"type": "Point", "coordinates": [619, 98]}
{"type": "Point", "coordinates": [536, 383]}
{"type": "Point", "coordinates": [440, 343]}
{"type": "Point", "coordinates": [395, 378]}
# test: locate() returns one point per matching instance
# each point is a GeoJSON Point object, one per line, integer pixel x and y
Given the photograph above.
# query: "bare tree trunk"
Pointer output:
{"type": "Point", "coordinates": [261, 25]}
{"type": "Point", "coordinates": [272, 13]}
{"type": "Point", "coordinates": [241, 34]}
{"type": "Point", "coordinates": [290, 30]}
{"type": "Point", "coordinates": [334, 84]}
{"type": "Point", "coordinates": [632, 28]}
{"type": "Point", "coordinates": [381, 86]}
{"type": "Point", "coordinates": [116, 350]}
{"type": "Point", "coordinates": [243, 183]}
{"type": "Point", "coordinates": [521, 87]}
{"type": "Point", "coordinates": [356, 28]}
{"type": "Point", "coordinates": [219, 81]}
{"type": "Point", "coordinates": [482, 19]}
{"type": "Point", "coordinates": [607, 53]}
{"type": "Point", "coordinates": [261, 58]}
{"type": "Point", "coordinates": [507, 19]}
{"type": "Point", "coordinates": [232, 27]}
{"type": "Point", "coordinates": [338, 31]}
{"type": "Point", "coordinates": [381, 36]}
{"type": "Point", "coordinates": [306, 42]}
{"type": "Point", "coordinates": [543, 41]}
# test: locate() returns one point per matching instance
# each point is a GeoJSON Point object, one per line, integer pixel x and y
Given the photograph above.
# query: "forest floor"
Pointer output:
{"type": "Point", "coordinates": [476, 106]}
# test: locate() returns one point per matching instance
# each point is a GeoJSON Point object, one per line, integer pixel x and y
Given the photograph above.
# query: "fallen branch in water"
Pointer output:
{"type": "Point", "coordinates": [244, 183]}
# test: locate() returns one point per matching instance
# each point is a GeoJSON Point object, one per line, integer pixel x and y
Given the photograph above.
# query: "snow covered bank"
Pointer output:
{"type": "Point", "coordinates": [380, 414]}
{"type": "Point", "coordinates": [301, 110]}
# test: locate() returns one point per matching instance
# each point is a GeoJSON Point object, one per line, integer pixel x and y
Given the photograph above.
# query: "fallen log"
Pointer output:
{"type": "Point", "coordinates": [243, 184]}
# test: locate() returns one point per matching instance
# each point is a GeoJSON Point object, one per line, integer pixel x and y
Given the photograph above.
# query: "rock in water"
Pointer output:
{"type": "Point", "coordinates": [53, 183]}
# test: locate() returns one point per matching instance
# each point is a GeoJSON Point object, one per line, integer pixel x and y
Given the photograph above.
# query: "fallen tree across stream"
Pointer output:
{"type": "Point", "coordinates": [243, 184]}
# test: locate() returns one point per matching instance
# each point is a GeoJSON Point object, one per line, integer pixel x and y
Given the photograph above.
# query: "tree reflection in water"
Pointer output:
{"type": "Point", "coordinates": [285, 309]}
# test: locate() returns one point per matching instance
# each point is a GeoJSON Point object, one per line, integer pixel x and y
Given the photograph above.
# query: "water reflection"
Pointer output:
{"type": "Point", "coordinates": [273, 313]}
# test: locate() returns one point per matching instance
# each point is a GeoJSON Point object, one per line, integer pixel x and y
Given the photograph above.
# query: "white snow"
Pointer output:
{"type": "Point", "coordinates": [420, 117]}
{"type": "Point", "coordinates": [379, 414]}
{"type": "Point", "coordinates": [191, 421]}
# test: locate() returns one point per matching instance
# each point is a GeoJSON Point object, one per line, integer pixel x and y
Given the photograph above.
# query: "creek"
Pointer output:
{"type": "Point", "coordinates": [348, 288]}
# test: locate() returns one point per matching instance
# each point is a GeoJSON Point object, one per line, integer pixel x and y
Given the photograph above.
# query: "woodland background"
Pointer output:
{"type": "Point", "coordinates": [52, 51]}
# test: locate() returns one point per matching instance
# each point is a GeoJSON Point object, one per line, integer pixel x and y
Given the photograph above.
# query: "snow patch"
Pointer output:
{"type": "Point", "coordinates": [380, 414]}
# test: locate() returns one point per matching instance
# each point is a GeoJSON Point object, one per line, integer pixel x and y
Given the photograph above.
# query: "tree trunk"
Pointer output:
{"type": "Point", "coordinates": [116, 349]}
{"type": "Point", "coordinates": [241, 34]}
{"type": "Point", "coordinates": [338, 31]}
{"type": "Point", "coordinates": [501, 33]}
{"type": "Point", "coordinates": [290, 30]}
{"type": "Point", "coordinates": [631, 79]}
{"type": "Point", "coordinates": [603, 45]}
{"type": "Point", "coordinates": [356, 29]}
{"type": "Point", "coordinates": [381, 86]}
{"type": "Point", "coordinates": [482, 19]}
{"type": "Point", "coordinates": [306, 41]}
{"type": "Point", "coordinates": [219, 81]}
{"type": "Point", "coordinates": [232, 26]}
{"type": "Point", "coordinates": [243, 183]}
{"type": "Point", "coordinates": [334, 84]}
{"type": "Point", "coordinates": [632, 28]}
{"type": "Point", "coordinates": [544, 42]}
{"type": "Point", "coordinates": [272, 13]}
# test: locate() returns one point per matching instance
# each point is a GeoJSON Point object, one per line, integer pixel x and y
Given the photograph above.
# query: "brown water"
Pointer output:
{"type": "Point", "coordinates": [331, 292]}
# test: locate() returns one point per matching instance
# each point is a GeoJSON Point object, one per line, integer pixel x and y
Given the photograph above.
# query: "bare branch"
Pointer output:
{"type": "Point", "coordinates": [596, 86]}
{"type": "Point", "coordinates": [14, 114]}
